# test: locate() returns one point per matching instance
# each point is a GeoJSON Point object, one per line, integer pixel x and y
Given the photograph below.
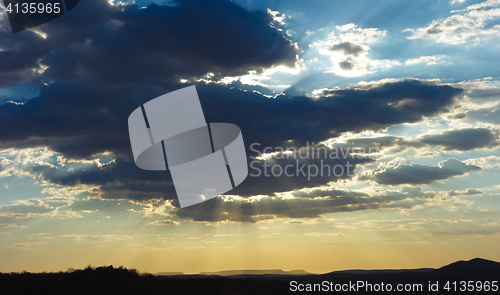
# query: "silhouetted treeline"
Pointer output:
{"type": "Point", "coordinates": [109, 280]}
{"type": "Point", "coordinates": [476, 274]}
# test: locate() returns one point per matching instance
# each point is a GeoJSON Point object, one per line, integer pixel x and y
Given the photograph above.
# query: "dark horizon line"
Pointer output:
{"type": "Point", "coordinates": [264, 272]}
{"type": "Point", "coordinates": [352, 271]}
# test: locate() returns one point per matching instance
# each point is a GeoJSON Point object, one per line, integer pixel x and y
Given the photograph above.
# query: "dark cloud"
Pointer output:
{"type": "Point", "coordinates": [165, 222]}
{"type": "Point", "coordinates": [72, 119]}
{"type": "Point", "coordinates": [104, 61]}
{"type": "Point", "coordinates": [379, 143]}
{"type": "Point", "coordinates": [305, 205]}
{"type": "Point", "coordinates": [124, 180]}
{"type": "Point", "coordinates": [110, 45]}
{"type": "Point", "coordinates": [347, 48]}
{"type": "Point", "coordinates": [458, 140]}
{"type": "Point", "coordinates": [457, 116]}
{"type": "Point", "coordinates": [307, 168]}
{"type": "Point", "coordinates": [463, 139]}
{"type": "Point", "coordinates": [296, 120]}
{"type": "Point", "coordinates": [327, 194]}
{"type": "Point", "coordinates": [467, 192]}
{"type": "Point", "coordinates": [80, 121]}
{"type": "Point", "coordinates": [418, 173]}
{"type": "Point", "coordinates": [346, 65]}
{"type": "Point", "coordinates": [490, 115]}
{"type": "Point", "coordinates": [434, 30]}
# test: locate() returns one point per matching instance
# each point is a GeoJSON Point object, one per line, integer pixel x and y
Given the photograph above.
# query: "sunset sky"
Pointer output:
{"type": "Point", "coordinates": [419, 81]}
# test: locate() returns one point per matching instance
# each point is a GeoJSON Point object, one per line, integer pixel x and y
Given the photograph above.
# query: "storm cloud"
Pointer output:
{"type": "Point", "coordinates": [347, 48]}
{"type": "Point", "coordinates": [313, 204]}
{"type": "Point", "coordinates": [463, 139]}
{"type": "Point", "coordinates": [106, 44]}
{"type": "Point", "coordinates": [415, 173]}
{"type": "Point", "coordinates": [94, 121]}
{"type": "Point", "coordinates": [94, 69]}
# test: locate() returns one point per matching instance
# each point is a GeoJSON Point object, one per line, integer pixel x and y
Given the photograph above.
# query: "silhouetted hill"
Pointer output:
{"type": "Point", "coordinates": [462, 271]}
{"type": "Point", "coordinates": [226, 273]}
{"type": "Point", "coordinates": [170, 273]}
{"type": "Point", "coordinates": [370, 271]}
{"type": "Point", "coordinates": [476, 265]}
{"type": "Point", "coordinates": [240, 273]}
{"type": "Point", "coordinates": [121, 281]}
{"type": "Point", "coordinates": [110, 280]}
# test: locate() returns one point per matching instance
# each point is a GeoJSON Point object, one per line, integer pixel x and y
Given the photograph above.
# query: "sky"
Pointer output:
{"type": "Point", "coordinates": [405, 93]}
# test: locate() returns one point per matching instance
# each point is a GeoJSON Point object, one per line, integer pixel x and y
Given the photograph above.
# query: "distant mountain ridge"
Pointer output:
{"type": "Point", "coordinates": [170, 273]}
{"type": "Point", "coordinates": [370, 271]}
{"type": "Point", "coordinates": [474, 266]}
{"type": "Point", "coordinates": [252, 272]}
{"type": "Point", "coordinates": [110, 280]}
{"type": "Point", "coordinates": [226, 273]}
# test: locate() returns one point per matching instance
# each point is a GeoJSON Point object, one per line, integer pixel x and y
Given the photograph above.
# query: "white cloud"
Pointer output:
{"type": "Point", "coordinates": [427, 59]}
{"type": "Point", "coordinates": [24, 245]}
{"type": "Point", "coordinates": [7, 225]}
{"type": "Point", "coordinates": [50, 207]}
{"type": "Point", "coordinates": [348, 47]}
{"type": "Point", "coordinates": [157, 208]}
{"type": "Point", "coordinates": [434, 226]}
{"type": "Point", "coordinates": [95, 238]}
{"type": "Point", "coordinates": [484, 162]}
{"type": "Point", "coordinates": [351, 33]}
{"type": "Point", "coordinates": [277, 16]}
{"type": "Point", "coordinates": [165, 222]}
{"type": "Point", "coordinates": [485, 4]}
{"type": "Point", "coordinates": [478, 106]}
{"type": "Point", "coordinates": [471, 23]}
